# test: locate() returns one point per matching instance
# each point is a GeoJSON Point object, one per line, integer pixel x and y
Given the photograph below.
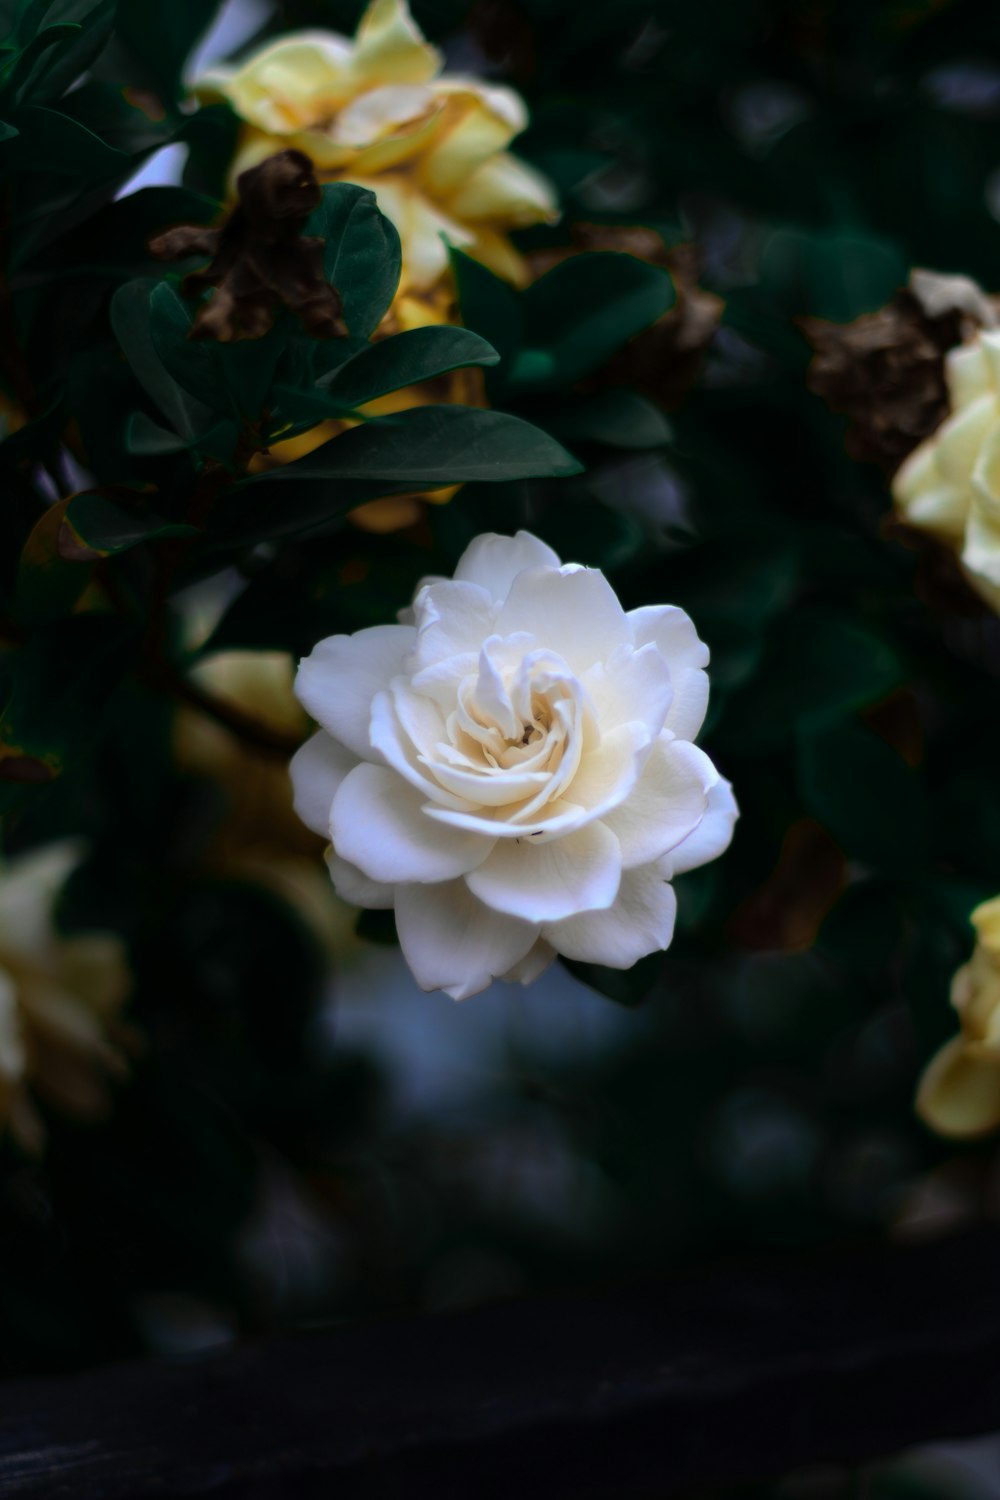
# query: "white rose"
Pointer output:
{"type": "Point", "coordinates": [513, 771]}
{"type": "Point", "coordinates": [950, 485]}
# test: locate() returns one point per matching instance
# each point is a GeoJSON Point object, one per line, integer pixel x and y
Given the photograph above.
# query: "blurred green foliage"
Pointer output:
{"type": "Point", "coordinates": [761, 1096]}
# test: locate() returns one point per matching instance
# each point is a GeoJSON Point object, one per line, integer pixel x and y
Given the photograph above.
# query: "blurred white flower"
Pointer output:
{"type": "Point", "coordinates": [59, 1000]}
{"type": "Point", "coordinates": [514, 770]}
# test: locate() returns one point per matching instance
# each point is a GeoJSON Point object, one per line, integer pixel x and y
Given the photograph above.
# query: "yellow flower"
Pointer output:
{"type": "Point", "coordinates": [950, 484]}
{"type": "Point", "coordinates": [377, 111]}
{"type": "Point", "coordinates": [59, 1000]}
{"type": "Point", "coordinates": [959, 1093]}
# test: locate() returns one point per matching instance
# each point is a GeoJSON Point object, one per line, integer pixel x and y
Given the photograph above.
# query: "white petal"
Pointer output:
{"type": "Point", "coordinates": [532, 966]}
{"type": "Point", "coordinates": [711, 838]}
{"type": "Point", "coordinates": [29, 885]}
{"type": "Point", "coordinates": [575, 613]}
{"type": "Point", "coordinates": [544, 881]}
{"type": "Point", "coordinates": [960, 438]}
{"type": "Point", "coordinates": [453, 618]}
{"type": "Point", "coordinates": [453, 942]}
{"type": "Point", "coordinates": [633, 686]}
{"type": "Point", "coordinates": [317, 768]}
{"type": "Point", "coordinates": [338, 680]}
{"type": "Point", "coordinates": [685, 654]}
{"type": "Point", "coordinates": [608, 773]}
{"type": "Point", "coordinates": [379, 824]}
{"type": "Point", "coordinates": [351, 885]}
{"type": "Point", "coordinates": [967, 373]}
{"type": "Point", "coordinates": [394, 741]}
{"type": "Point", "coordinates": [667, 804]}
{"type": "Point", "coordinates": [493, 562]}
{"type": "Point", "coordinates": [641, 921]}
{"type": "Point", "coordinates": [378, 112]}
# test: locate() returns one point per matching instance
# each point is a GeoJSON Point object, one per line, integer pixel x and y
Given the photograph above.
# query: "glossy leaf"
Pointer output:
{"type": "Point", "coordinates": [361, 253]}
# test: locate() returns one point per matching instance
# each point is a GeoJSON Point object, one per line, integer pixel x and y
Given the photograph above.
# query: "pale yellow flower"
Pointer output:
{"type": "Point", "coordinates": [59, 1000]}
{"type": "Point", "coordinates": [959, 1093]}
{"type": "Point", "coordinates": [377, 111]}
{"type": "Point", "coordinates": [950, 485]}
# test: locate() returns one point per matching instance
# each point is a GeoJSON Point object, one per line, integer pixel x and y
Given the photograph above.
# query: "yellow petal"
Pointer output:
{"type": "Point", "coordinates": [390, 47]}
{"type": "Point", "coordinates": [496, 252]}
{"type": "Point", "coordinates": [959, 1093]}
{"type": "Point", "coordinates": [506, 193]}
{"type": "Point", "coordinates": [380, 112]}
{"type": "Point", "coordinates": [300, 79]}
{"type": "Point", "coordinates": [478, 122]}
{"type": "Point", "coordinates": [985, 919]}
{"type": "Point", "coordinates": [421, 226]}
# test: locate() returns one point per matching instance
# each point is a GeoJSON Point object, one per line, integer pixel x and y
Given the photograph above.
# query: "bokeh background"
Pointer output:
{"type": "Point", "coordinates": [304, 1137]}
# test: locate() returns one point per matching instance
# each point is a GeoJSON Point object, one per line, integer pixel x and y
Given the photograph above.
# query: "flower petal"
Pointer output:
{"type": "Point", "coordinates": [390, 47]}
{"type": "Point", "coordinates": [493, 562]}
{"type": "Point", "coordinates": [506, 191]}
{"type": "Point", "coordinates": [640, 921]}
{"type": "Point", "coordinates": [379, 824]}
{"type": "Point", "coordinates": [968, 373]}
{"type": "Point", "coordinates": [686, 655]}
{"type": "Point", "coordinates": [633, 686]}
{"type": "Point", "coordinates": [351, 885]}
{"type": "Point", "coordinates": [478, 123]}
{"type": "Point", "coordinates": [452, 618]}
{"type": "Point", "coordinates": [959, 1093]}
{"type": "Point", "coordinates": [532, 966]}
{"type": "Point", "coordinates": [574, 612]}
{"type": "Point", "coordinates": [712, 836]}
{"type": "Point", "coordinates": [544, 881]}
{"type": "Point", "coordinates": [292, 83]}
{"type": "Point", "coordinates": [961, 436]}
{"type": "Point", "coordinates": [452, 942]}
{"type": "Point", "coordinates": [317, 768]}
{"type": "Point", "coordinates": [338, 680]}
{"type": "Point", "coordinates": [667, 804]}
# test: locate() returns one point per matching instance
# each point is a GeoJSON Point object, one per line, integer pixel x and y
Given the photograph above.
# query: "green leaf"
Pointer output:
{"type": "Point", "coordinates": [7, 131]}
{"type": "Point", "coordinates": [617, 418]}
{"type": "Point", "coordinates": [130, 320]}
{"type": "Point", "coordinates": [53, 142]}
{"type": "Point", "coordinates": [492, 309]}
{"type": "Point", "coordinates": [424, 447]}
{"type": "Point", "coordinates": [405, 359]}
{"type": "Point", "coordinates": [819, 668]}
{"type": "Point", "coordinates": [580, 312]}
{"type": "Point", "coordinates": [361, 253]}
{"type": "Point", "coordinates": [19, 76]}
{"type": "Point", "coordinates": [162, 37]}
{"type": "Point", "coordinates": [107, 527]}
{"type": "Point", "coordinates": [865, 795]}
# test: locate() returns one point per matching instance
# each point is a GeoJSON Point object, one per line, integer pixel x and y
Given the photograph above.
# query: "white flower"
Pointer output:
{"type": "Point", "coordinates": [60, 998]}
{"type": "Point", "coordinates": [950, 485]}
{"type": "Point", "coordinates": [513, 771]}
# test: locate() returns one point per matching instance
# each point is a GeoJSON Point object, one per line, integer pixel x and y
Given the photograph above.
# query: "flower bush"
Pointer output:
{"type": "Point", "coordinates": [514, 772]}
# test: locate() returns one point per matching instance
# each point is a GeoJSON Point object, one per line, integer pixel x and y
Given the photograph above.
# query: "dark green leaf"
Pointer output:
{"type": "Point", "coordinates": [865, 794]}
{"type": "Point", "coordinates": [421, 448]}
{"type": "Point", "coordinates": [130, 319]}
{"type": "Point", "coordinates": [618, 418]}
{"type": "Point", "coordinates": [56, 143]}
{"type": "Point", "coordinates": [162, 37]}
{"type": "Point", "coordinates": [580, 312]}
{"type": "Point", "coordinates": [405, 359]}
{"type": "Point", "coordinates": [361, 254]}
{"type": "Point", "coordinates": [493, 310]}
{"type": "Point", "coordinates": [109, 527]}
